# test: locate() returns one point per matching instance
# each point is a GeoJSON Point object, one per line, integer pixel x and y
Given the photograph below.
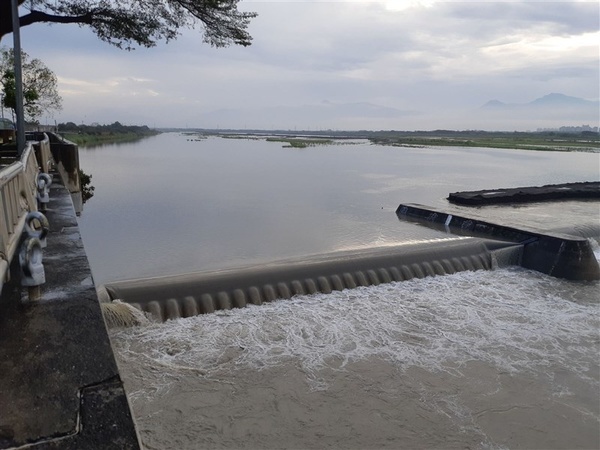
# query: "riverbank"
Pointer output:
{"type": "Point", "coordinates": [91, 140]}
{"type": "Point", "coordinates": [544, 141]}
{"type": "Point", "coordinates": [93, 135]}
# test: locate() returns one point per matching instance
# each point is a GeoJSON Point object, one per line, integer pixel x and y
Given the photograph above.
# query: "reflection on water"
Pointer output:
{"type": "Point", "coordinates": [500, 359]}
{"type": "Point", "coordinates": [167, 205]}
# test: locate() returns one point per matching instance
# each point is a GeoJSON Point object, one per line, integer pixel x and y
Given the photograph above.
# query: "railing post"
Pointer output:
{"type": "Point", "coordinates": [18, 78]}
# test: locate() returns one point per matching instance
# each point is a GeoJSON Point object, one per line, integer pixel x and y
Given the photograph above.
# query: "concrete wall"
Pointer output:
{"type": "Point", "coordinates": [66, 158]}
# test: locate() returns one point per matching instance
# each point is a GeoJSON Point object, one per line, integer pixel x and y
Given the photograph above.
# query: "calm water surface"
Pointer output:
{"type": "Point", "coordinates": [169, 205]}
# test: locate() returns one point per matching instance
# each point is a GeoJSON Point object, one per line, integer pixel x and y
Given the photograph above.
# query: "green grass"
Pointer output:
{"type": "Point", "coordinates": [523, 141]}
{"type": "Point", "coordinates": [91, 140]}
{"type": "Point", "coordinates": [544, 140]}
{"type": "Point", "coordinates": [300, 143]}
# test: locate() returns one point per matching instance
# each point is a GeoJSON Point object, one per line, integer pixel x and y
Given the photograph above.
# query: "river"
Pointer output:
{"type": "Point", "coordinates": [499, 359]}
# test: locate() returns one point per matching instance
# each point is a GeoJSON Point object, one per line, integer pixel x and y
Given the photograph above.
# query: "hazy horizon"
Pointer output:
{"type": "Point", "coordinates": [345, 65]}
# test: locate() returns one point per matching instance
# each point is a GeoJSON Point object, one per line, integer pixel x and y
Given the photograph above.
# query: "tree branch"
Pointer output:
{"type": "Point", "coordinates": [38, 16]}
{"type": "Point", "coordinates": [124, 23]}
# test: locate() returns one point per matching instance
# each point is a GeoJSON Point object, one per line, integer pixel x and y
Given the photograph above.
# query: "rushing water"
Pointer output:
{"type": "Point", "coordinates": [504, 359]}
{"type": "Point", "coordinates": [500, 359]}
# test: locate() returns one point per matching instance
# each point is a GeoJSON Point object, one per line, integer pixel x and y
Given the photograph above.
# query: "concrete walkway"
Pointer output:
{"type": "Point", "coordinates": [59, 383]}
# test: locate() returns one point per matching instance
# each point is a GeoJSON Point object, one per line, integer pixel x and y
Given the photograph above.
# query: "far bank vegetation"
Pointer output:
{"type": "Point", "coordinates": [95, 134]}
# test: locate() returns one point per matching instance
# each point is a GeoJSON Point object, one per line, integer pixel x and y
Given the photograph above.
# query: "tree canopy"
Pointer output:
{"type": "Point", "coordinates": [130, 23]}
{"type": "Point", "coordinates": [40, 91]}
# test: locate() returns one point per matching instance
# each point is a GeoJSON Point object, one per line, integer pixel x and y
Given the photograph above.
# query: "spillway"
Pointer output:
{"type": "Point", "coordinates": [187, 295]}
{"type": "Point", "coordinates": [564, 253]}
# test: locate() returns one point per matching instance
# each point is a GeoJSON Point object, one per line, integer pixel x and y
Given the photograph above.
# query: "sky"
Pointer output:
{"type": "Point", "coordinates": [342, 65]}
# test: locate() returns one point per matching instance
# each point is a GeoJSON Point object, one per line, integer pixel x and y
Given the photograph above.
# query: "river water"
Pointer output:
{"type": "Point", "coordinates": [499, 359]}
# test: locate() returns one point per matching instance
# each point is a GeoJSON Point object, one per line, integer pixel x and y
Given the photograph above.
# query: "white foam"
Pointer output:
{"type": "Point", "coordinates": [595, 247]}
{"type": "Point", "coordinates": [516, 320]}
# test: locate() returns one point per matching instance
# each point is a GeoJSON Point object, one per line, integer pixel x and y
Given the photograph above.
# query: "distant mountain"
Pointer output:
{"type": "Point", "coordinates": [550, 100]}
{"type": "Point", "coordinates": [494, 104]}
{"type": "Point", "coordinates": [551, 110]}
{"type": "Point", "coordinates": [562, 100]}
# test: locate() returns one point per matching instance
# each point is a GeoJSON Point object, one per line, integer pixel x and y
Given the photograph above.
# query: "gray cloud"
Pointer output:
{"type": "Point", "coordinates": [565, 17]}
{"type": "Point", "coordinates": [443, 59]}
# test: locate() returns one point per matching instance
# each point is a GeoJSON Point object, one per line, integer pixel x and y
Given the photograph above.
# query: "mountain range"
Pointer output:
{"type": "Point", "coordinates": [553, 100]}
{"type": "Point", "coordinates": [551, 110]}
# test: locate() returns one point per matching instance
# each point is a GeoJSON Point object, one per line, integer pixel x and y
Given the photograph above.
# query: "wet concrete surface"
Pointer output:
{"type": "Point", "coordinates": [59, 383]}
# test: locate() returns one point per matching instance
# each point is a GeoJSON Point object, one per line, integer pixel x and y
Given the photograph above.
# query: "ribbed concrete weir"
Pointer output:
{"type": "Point", "coordinates": [197, 293]}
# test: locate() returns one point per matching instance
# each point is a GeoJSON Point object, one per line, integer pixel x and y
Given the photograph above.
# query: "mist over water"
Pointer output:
{"type": "Point", "coordinates": [500, 359]}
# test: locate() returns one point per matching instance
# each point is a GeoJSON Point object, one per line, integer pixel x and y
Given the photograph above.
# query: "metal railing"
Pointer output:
{"type": "Point", "coordinates": [18, 186]}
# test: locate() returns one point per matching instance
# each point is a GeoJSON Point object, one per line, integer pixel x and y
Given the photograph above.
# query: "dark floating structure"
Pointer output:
{"type": "Point", "coordinates": [568, 191]}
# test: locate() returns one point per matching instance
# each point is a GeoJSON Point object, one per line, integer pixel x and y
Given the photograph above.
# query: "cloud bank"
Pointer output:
{"type": "Point", "coordinates": [340, 65]}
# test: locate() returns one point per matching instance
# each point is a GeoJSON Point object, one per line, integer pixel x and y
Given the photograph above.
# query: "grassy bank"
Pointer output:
{"type": "Point", "coordinates": [586, 141]}
{"type": "Point", "coordinates": [289, 142]}
{"type": "Point", "coordinates": [523, 141]}
{"type": "Point", "coordinates": [300, 142]}
{"type": "Point", "coordinates": [90, 140]}
{"type": "Point", "coordinates": [91, 135]}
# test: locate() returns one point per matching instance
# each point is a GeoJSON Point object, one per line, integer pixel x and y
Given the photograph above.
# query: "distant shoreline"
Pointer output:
{"type": "Point", "coordinates": [585, 141]}
{"type": "Point", "coordinates": [579, 141]}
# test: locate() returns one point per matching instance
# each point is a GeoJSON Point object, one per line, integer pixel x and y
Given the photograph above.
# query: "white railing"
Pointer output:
{"type": "Point", "coordinates": [18, 182]}
{"type": "Point", "coordinates": [43, 155]}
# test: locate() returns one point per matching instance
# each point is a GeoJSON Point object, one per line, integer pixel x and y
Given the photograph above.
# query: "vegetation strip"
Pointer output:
{"type": "Point", "coordinates": [91, 135]}
{"type": "Point", "coordinates": [579, 141]}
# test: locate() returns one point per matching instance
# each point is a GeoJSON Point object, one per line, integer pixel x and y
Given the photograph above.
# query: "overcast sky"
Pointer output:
{"type": "Point", "coordinates": [398, 64]}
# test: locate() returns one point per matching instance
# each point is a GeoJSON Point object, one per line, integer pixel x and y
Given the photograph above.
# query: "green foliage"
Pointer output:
{"type": "Point", "coordinates": [115, 127]}
{"type": "Point", "coordinates": [584, 141]}
{"type": "Point", "coordinates": [90, 135]}
{"type": "Point", "coordinates": [129, 23]}
{"type": "Point", "coordinates": [300, 143]}
{"type": "Point", "coordinates": [40, 91]}
{"type": "Point", "coordinates": [87, 190]}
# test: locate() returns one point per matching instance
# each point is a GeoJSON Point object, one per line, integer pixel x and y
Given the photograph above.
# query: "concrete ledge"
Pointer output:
{"type": "Point", "coordinates": [59, 382]}
{"type": "Point", "coordinates": [567, 191]}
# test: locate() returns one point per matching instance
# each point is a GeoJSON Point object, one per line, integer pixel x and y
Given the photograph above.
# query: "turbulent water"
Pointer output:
{"type": "Point", "coordinates": [496, 359]}
{"type": "Point", "coordinates": [500, 359]}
